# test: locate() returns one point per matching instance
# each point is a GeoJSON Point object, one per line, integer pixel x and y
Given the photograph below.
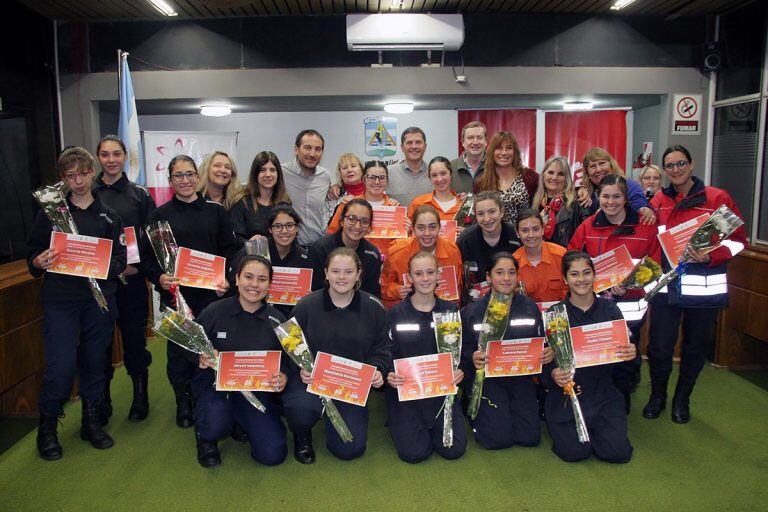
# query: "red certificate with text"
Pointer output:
{"type": "Point", "coordinates": [289, 285]}
{"type": "Point", "coordinates": [247, 370]}
{"type": "Point", "coordinates": [80, 255]}
{"type": "Point", "coordinates": [447, 285]}
{"type": "Point", "coordinates": [611, 268]}
{"type": "Point", "coordinates": [448, 229]}
{"type": "Point", "coordinates": [510, 358]}
{"type": "Point", "coordinates": [543, 306]}
{"type": "Point", "coordinates": [388, 222]}
{"type": "Point", "coordinates": [341, 379]}
{"type": "Point", "coordinates": [596, 344]}
{"type": "Point", "coordinates": [425, 376]}
{"type": "Point", "coordinates": [673, 241]}
{"type": "Point", "coordinates": [131, 245]}
{"type": "Point", "coordinates": [198, 269]}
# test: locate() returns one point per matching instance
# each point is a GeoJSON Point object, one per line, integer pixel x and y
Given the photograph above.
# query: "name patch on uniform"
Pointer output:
{"type": "Point", "coordinates": [406, 327]}
{"type": "Point", "coordinates": [521, 321]}
{"type": "Point", "coordinates": [478, 327]}
{"type": "Point", "coordinates": [221, 335]}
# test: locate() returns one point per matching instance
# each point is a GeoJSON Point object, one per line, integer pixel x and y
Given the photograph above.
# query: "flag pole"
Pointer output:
{"type": "Point", "coordinates": [119, 66]}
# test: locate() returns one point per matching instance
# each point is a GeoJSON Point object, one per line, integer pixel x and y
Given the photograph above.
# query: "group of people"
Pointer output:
{"type": "Point", "coordinates": [533, 236]}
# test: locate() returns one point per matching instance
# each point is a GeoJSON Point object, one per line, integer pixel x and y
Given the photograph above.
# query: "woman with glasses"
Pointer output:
{"type": "Point", "coordinates": [555, 201]}
{"type": "Point", "coordinates": [203, 226]}
{"type": "Point", "coordinates": [697, 296]}
{"type": "Point", "coordinates": [356, 218]}
{"type": "Point", "coordinates": [76, 332]}
{"type": "Point", "coordinates": [650, 180]}
{"type": "Point", "coordinates": [395, 284]}
{"type": "Point", "coordinates": [264, 190]}
{"type": "Point", "coordinates": [376, 178]}
{"type": "Point", "coordinates": [218, 180]}
{"type": "Point", "coordinates": [443, 198]}
{"type": "Point", "coordinates": [599, 164]}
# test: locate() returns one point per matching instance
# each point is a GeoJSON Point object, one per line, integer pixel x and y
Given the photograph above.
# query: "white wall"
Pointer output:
{"type": "Point", "coordinates": [343, 132]}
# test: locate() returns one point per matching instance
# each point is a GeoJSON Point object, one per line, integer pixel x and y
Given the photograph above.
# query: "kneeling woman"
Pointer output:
{"type": "Point", "coordinates": [243, 322]}
{"type": "Point", "coordinates": [601, 401]}
{"type": "Point", "coordinates": [509, 411]}
{"type": "Point", "coordinates": [417, 426]}
{"type": "Point", "coordinates": [343, 321]}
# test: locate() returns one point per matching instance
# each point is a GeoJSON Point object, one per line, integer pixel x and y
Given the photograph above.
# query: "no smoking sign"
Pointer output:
{"type": "Point", "coordinates": [687, 114]}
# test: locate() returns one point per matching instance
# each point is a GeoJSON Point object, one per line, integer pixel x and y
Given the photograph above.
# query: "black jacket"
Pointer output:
{"type": "Point", "coordinates": [248, 222]}
{"type": "Point", "coordinates": [476, 253]}
{"type": "Point", "coordinates": [369, 255]}
{"type": "Point", "coordinates": [566, 222]}
{"type": "Point", "coordinates": [297, 257]}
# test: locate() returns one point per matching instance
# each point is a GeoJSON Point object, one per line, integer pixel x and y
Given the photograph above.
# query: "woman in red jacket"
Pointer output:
{"type": "Point", "coordinates": [616, 224]}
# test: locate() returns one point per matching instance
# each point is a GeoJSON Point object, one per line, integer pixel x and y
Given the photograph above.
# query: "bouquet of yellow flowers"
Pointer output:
{"type": "Point", "coordinates": [492, 329]}
{"type": "Point", "coordinates": [292, 340]}
{"type": "Point", "coordinates": [645, 272]}
{"type": "Point", "coordinates": [191, 336]}
{"type": "Point", "coordinates": [448, 338]}
{"type": "Point", "coordinates": [165, 248]}
{"type": "Point", "coordinates": [53, 203]}
{"type": "Point", "coordinates": [558, 331]}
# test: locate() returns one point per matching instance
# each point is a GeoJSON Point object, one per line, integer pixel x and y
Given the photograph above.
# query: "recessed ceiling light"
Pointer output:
{"type": "Point", "coordinates": [399, 107]}
{"type": "Point", "coordinates": [578, 105]}
{"type": "Point", "coordinates": [620, 4]}
{"type": "Point", "coordinates": [163, 7]}
{"type": "Point", "coordinates": [215, 110]}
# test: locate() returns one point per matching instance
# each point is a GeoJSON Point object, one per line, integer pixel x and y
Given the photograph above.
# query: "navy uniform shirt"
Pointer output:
{"type": "Point", "coordinates": [369, 255]}
{"type": "Point", "coordinates": [200, 225]}
{"type": "Point", "coordinates": [476, 253]}
{"type": "Point", "coordinates": [595, 382]}
{"type": "Point", "coordinates": [297, 257]}
{"type": "Point", "coordinates": [358, 331]}
{"type": "Point", "coordinates": [96, 220]}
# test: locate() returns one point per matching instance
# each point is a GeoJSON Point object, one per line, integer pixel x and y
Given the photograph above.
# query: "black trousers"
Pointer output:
{"type": "Point", "coordinates": [698, 336]}
{"type": "Point", "coordinates": [623, 373]}
{"type": "Point", "coordinates": [132, 303]}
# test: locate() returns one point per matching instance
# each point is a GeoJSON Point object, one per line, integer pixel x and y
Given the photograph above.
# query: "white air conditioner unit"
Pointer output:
{"type": "Point", "coordinates": [400, 32]}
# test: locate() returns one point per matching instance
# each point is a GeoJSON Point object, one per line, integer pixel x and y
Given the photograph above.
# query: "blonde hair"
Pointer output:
{"type": "Point", "coordinates": [650, 168]}
{"type": "Point", "coordinates": [343, 159]}
{"type": "Point", "coordinates": [598, 154]}
{"type": "Point", "coordinates": [569, 193]}
{"type": "Point", "coordinates": [234, 190]}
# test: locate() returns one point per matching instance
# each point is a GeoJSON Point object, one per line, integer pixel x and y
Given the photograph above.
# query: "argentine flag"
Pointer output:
{"type": "Point", "coordinates": [128, 127]}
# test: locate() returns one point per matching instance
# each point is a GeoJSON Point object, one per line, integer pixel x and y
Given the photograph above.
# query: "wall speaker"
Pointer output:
{"type": "Point", "coordinates": [711, 59]}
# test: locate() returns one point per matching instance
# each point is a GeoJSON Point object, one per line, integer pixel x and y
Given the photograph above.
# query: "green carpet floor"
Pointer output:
{"type": "Point", "coordinates": [719, 461]}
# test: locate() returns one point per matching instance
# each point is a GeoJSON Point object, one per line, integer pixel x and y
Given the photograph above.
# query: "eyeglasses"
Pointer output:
{"type": "Point", "coordinates": [72, 176]}
{"type": "Point", "coordinates": [288, 226]}
{"type": "Point", "coordinates": [374, 178]}
{"type": "Point", "coordinates": [682, 165]}
{"type": "Point", "coordinates": [179, 176]}
{"type": "Point", "coordinates": [354, 219]}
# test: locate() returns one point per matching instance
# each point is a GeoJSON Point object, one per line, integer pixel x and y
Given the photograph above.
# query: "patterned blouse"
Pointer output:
{"type": "Point", "coordinates": [515, 199]}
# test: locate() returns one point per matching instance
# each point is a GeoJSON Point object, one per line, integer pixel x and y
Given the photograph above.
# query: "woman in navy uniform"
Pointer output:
{"type": "Point", "coordinates": [241, 323]}
{"type": "Point", "coordinates": [509, 411]}
{"type": "Point", "coordinates": [417, 426]}
{"type": "Point", "coordinates": [344, 321]}
{"type": "Point", "coordinates": [601, 401]}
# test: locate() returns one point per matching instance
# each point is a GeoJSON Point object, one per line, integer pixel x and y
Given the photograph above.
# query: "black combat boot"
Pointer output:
{"type": "Point", "coordinates": [105, 405]}
{"type": "Point", "coordinates": [140, 405]}
{"type": "Point", "coordinates": [657, 401]}
{"type": "Point", "coordinates": [92, 430]}
{"type": "Point", "coordinates": [302, 447]}
{"type": "Point", "coordinates": [185, 417]}
{"type": "Point", "coordinates": [207, 452]}
{"type": "Point", "coordinates": [47, 441]}
{"type": "Point", "coordinates": [680, 402]}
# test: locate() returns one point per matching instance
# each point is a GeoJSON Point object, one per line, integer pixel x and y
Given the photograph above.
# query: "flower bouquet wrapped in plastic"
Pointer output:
{"type": "Point", "coordinates": [258, 247]}
{"type": "Point", "coordinates": [448, 339]}
{"type": "Point", "coordinates": [493, 327]}
{"type": "Point", "coordinates": [465, 215]}
{"type": "Point", "coordinates": [558, 331]}
{"type": "Point", "coordinates": [53, 203]}
{"type": "Point", "coordinates": [191, 336]}
{"type": "Point", "coordinates": [292, 340]}
{"type": "Point", "coordinates": [165, 247]}
{"type": "Point", "coordinates": [645, 272]}
{"type": "Point", "coordinates": [720, 225]}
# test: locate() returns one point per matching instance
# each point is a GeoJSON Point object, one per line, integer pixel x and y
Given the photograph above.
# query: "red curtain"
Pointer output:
{"type": "Point", "coordinates": [571, 134]}
{"type": "Point", "coordinates": [521, 123]}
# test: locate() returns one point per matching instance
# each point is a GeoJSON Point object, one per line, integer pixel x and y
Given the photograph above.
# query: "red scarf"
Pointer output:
{"type": "Point", "coordinates": [549, 209]}
{"type": "Point", "coordinates": [355, 190]}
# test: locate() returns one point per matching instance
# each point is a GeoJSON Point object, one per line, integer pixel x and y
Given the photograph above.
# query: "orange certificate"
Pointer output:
{"type": "Point", "coordinates": [611, 268]}
{"type": "Point", "coordinates": [247, 370]}
{"type": "Point", "coordinates": [447, 285]}
{"type": "Point", "coordinates": [425, 376]}
{"type": "Point", "coordinates": [510, 358]}
{"type": "Point", "coordinates": [199, 269]}
{"type": "Point", "coordinates": [388, 222]}
{"type": "Point", "coordinates": [543, 306]}
{"type": "Point", "coordinates": [80, 255]}
{"type": "Point", "coordinates": [448, 229]}
{"type": "Point", "coordinates": [341, 379]}
{"type": "Point", "coordinates": [289, 285]}
{"type": "Point", "coordinates": [131, 245]}
{"type": "Point", "coordinates": [674, 240]}
{"type": "Point", "coordinates": [596, 344]}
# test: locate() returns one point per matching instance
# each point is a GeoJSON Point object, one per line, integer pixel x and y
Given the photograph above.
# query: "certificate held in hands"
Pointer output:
{"type": "Point", "coordinates": [611, 268]}
{"type": "Point", "coordinates": [80, 255]}
{"type": "Point", "coordinates": [596, 344]}
{"type": "Point", "coordinates": [341, 379]}
{"type": "Point", "coordinates": [674, 240]}
{"type": "Point", "coordinates": [389, 222]}
{"type": "Point", "coordinates": [425, 376]}
{"type": "Point", "coordinates": [247, 370]}
{"type": "Point", "coordinates": [289, 284]}
{"type": "Point", "coordinates": [198, 269]}
{"type": "Point", "coordinates": [512, 358]}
